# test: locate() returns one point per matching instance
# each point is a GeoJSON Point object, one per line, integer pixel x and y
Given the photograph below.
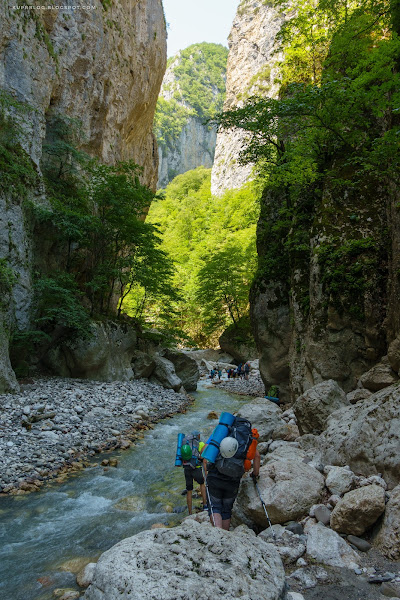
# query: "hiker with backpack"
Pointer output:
{"type": "Point", "coordinates": [247, 371]}
{"type": "Point", "coordinates": [192, 463]}
{"type": "Point", "coordinates": [229, 458]}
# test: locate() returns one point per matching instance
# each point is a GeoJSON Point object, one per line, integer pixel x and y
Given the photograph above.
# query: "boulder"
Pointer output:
{"type": "Point", "coordinates": [358, 510]}
{"type": "Point", "coordinates": [210, 355]}
{"type": "Point", "coordinates": [339, 480]}
{"type": "Point", "coordinates": [322, 514]}
{"type": "Point", "coordinates": [379, 377]}
{"type": "Point", "coordinates": [105, 355]}
{"type": "Point", "coordinates": [266, 417]}
{"type": "Point", "coordinates": [186, 368]}
{"type": "Point", "coordinates": [164, 374]}
{"type": "Point", "coordinates": [289, 545]}
{"type": "Point", "coordinates": [288, 487]}
{"type": "Point", "coordinates": [327, 547]}
{"type": "Point", "coordinates": [394, 355]}
{"type": "Point", "coordinates": [85, 576]}
{"type": "Point", "coordinates": [143, 365]}
{"type": "Point", "coordinates": [313, 408]}
{"type": "Point", "coordinates": [388, 538]}
{"type": "Point", "coordinates": [358, 395]}
{"type": "Point", "coordinates": [190, 561]}
{"type": "Point", "coordinates": [365, 436]}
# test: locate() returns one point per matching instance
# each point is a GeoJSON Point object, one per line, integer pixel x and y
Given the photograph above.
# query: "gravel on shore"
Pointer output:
{"type": "Point", "coordinates": [53, 425]}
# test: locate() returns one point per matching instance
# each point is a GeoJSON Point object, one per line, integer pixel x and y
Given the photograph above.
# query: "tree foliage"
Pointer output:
{"type": "Point", "coordinates": [210, 243]}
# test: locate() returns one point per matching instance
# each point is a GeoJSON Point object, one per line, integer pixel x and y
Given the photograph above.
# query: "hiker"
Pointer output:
{"type": "Point", "coordinates": [212, 374]}
{"type": "Point", "coordinates": [247, 371]}
{"type": "Point", "coordinates": [192, 466]}
{"type": "Point", "coordinates": [236, 451]}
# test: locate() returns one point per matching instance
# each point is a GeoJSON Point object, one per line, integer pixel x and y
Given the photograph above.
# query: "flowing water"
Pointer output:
{"type": "Point", "coordinates": [94, 509]}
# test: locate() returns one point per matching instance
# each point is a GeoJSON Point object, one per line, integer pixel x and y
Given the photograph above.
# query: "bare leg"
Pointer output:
{"type": "Point", "coordinates": [203, 493]}
{"type": "Point", "coordinates": [217, 520]}
{"type": "Point", "coordinates": [189, 501]}
{"type": "Point", "coordinates": [225, 524]}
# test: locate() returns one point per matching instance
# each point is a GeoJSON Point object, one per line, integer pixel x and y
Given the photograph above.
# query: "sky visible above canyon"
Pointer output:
{"type": "Point", "coordinates": [192, 21]}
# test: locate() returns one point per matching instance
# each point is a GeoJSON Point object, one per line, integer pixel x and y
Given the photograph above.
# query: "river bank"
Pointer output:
{"type": "Point", "coordinates": [55, 425]}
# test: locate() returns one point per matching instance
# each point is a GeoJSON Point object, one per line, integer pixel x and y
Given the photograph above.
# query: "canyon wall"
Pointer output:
{"type": "Point", "coordinates": [101, 68]}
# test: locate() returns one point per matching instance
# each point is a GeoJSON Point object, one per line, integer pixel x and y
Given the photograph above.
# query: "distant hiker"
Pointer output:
{"type": "Point", "coordinates": [239, 370]}
{"type": "Point", "coordinates": [212, 374]}
{"type": "Point", "coordinates": [247, 370]}
{"type": "Point", "coordinates": [236, 452]}
{"type": "Point", "coordinates": [192, 466]}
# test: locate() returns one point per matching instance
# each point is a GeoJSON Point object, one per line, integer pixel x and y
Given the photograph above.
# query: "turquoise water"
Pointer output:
{"type": "Point", "coordinates": [87, 514]}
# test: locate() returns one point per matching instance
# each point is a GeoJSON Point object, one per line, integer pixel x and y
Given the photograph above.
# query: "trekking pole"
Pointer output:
{"type": "Point", "coordinates": [264, 507]}
{"type": "Point", "coordinates": [208, 495]}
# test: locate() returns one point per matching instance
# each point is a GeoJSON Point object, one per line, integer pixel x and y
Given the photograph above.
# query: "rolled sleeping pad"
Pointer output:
{"type": "Point", "coordinates": [276, 400]}
{"type": "Point", "coordinates": [219, 433]}
{"type": "Point", "coordinates": [178, 459]}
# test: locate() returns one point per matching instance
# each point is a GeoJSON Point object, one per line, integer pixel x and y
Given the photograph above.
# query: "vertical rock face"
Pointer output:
{"type": "Point", "coordinates": [193, 91]}
{"type": "Point", "coordinates": [251, 69]}
{"type": "Point", "coordinates": [102, 67]}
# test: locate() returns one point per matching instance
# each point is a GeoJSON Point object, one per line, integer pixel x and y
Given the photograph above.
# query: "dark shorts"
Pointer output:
{"type": "Point", "coordinates": [190, 474]}
{"type": "Point", "coordinates": [222, 495]}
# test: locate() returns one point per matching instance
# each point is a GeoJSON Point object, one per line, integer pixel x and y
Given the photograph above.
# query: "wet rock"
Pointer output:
{"type": "Point", "coordinates": [85, 576]}
{"type": "Point", "coordinates": [158, 564]}
{"type": "Point", "coordinates": [288, 487]}
{"type": "Point", "coordinates": [358, 510]}
{"type": "Point", "coordinates": [327, 547]}
{"type": "Point", "coordinates": [388, 538]}
{"type": "Point", "coordinates": [379, 377]}
{"type": "Point", "coordinates": [212, 415]}
{"type": "Point", "coordinates": [339, 480]}
{"type": "Point", "coordinates": [313, 408]}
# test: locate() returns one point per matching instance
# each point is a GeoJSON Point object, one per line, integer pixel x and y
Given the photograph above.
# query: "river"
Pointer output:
{"type": "Point", "coordinates": [96, 508]}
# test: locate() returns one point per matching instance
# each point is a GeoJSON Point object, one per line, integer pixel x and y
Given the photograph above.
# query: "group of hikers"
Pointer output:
{"type": "Point", "coordinates": [218, 465]}
{"type": "Point", "coordinates": [242, 371]}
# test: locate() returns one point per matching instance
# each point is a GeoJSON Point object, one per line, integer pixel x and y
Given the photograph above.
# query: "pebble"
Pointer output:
{"type": "Point", "coordinates": [39, 437]}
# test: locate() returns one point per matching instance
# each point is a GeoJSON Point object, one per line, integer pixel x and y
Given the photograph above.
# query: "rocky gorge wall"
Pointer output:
{"type": "Point", "coordinates": [192, 92]}
{"type": "Point", "coordinates": [101, 67]}
{"type": "Point", "coordinates": [251, 70]}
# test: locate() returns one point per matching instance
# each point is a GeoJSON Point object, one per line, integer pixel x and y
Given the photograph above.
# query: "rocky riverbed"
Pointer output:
{"type": "Point", "coordinates": [56, 424]}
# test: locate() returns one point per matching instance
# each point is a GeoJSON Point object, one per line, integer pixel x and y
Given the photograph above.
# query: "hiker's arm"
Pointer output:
{"type": "Point", "coordinates": [256, 463]}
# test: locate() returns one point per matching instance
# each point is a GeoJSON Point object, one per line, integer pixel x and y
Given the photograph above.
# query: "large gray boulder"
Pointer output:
{"type": "Point", "coordinates": [358, 510]}
{"type": "Point", "coordinates": [288, 487]}
{"type": "Point", "coordinates": [186, 368]}
{"type": "Point", "coordinates": [327, 547]}
{"type": "Point", "coordinates": [339, 480]}
{"type": "Point", "coordinates": [143, 365]}
{"type": "Point", "coordinates": [164, 374]}
{"type": "Point", "coordinates": [190, 561]}
{"type": "Point", "coordinates": [388, 538]}
{"type": "Point", "coordinates": [379, 377]}
{"type": "Point", "coordinates": [266, 417]}
{"type": "Point", "coordinates": [105, 355]}
{"type": "Point", "coordinates": [313, 408]}
{"type": "Point", "coordinates": [365, 436]}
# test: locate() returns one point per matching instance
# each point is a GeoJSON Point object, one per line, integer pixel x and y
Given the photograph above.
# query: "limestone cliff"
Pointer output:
{"type": "Point", "coordinates": [251, 70]}
{"type": "Point", "coordinates": [192, 92]}
{"type": "Point", "coordinates": [100, 66]}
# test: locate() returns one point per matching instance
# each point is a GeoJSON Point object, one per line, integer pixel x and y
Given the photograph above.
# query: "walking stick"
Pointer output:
{"type": "Point", "coordinates": [264, 506]}
{"type": "Point", "coordinates": [208, 495]}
